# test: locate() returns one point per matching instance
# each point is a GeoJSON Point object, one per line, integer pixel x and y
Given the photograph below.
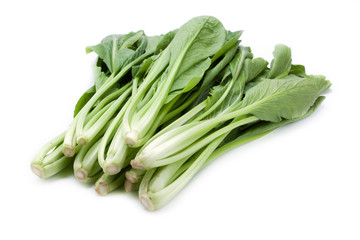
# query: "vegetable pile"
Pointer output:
{"type": "Point", "coordinates": [163, 107]}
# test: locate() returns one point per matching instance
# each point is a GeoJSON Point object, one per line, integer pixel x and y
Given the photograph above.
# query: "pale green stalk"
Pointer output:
{"type": "Point", "coordinates": [90, 132]}
{"type": "Point", "coordinates": [108, 183]}
{"type": "Point", "coordinates": [130, 187]}
{"type": "Point", "coordinates": [134, 175]}
{"type": "Point", "coordinates": [76, 128]}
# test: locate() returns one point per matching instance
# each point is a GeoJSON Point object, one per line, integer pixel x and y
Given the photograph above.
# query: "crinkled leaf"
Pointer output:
{"type": "Point", "coordinates": [281, 64]}
{"type": "Point", "coordinates": [84, 99]}
{"type": "Point", "coordinates": [291, 97]}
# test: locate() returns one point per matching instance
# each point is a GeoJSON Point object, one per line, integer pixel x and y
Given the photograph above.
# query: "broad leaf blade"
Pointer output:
{"type": "Point", "coordinates": [190, 50]}
{"type": "Point", "coordinates": [198, 39]}
{"type": "Point", "coordinates": [291, 97]}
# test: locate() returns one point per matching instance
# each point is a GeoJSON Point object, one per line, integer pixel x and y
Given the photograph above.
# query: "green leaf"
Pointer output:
{"type": "Point", "coordinates": [141, 47]}
{"type": "Point", "coordinates": [213, 74]}
{"type": "Point", "coordinates": [215, 70]}
{"type": "Point", "coordinates": [253, 67]}
{"type": "Point", "coordinates": [134, 70]}
{"type": "Point", "coordinates": [291, 97]}
{"type": "Point", "coordinates": [298, 70]}
{"type": "Point", "coordinates": [188, 79]}
{"type": "Point", "coordinates": [238, 79]}
{"type": "Point", "coordinates": [236, 65]}
{"type": "Point", "coordinates": [84, 99]}
{"type": "Point", "coordinates": [165, 41]}
{"type": "Point", "coordinates": [144, 67]}
{"type": "Point", "coordinates": [232, 39]}
{"type": "Point", "coordinates": [196, 40]}
{"type": "Point", "coordinates": [281, 64]}
{"type": "Point", "coordinates": [189, 51]}
{"type": "Point", "coordinates": [100, 77]}
{"type": "Point", "coordinates": [219, 93]}
{"type": "Point", "coordinates": [240, 136]}
{"type": "Point", "coordinates": [130, 39]}
{"type": "Point", "coordinates": [115, 50]}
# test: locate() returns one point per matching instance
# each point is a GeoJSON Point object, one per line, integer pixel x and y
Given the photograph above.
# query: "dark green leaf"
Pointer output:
{"type": "Point", "coordinates": [84, 99]}
{"type": "Point", "coordinates": [100, 77]}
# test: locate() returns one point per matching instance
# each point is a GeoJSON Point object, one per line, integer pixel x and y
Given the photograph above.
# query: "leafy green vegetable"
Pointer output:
{"type": "Point", "coordinates": [163, 107]}
{"type": "Point", "coordinates": [160, 185]}
{"type": "Point", "coordinates": [269, 100]}
{"type": "Point", "coordinates": [184, 62]}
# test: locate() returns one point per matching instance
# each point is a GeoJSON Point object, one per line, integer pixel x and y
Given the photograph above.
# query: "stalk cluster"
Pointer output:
{"type": "Point", "coordinates": [163, 107]}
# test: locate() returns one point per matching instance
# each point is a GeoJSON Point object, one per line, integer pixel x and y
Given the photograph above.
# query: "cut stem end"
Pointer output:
{"type": "Point", "coordinates": [38, 170]}
{"type": "Point", "coordinates": [102, 188]}
{"type": "Point", "coordinates": [137, 165]}
{"type": "Point", "coordinates": [81, 140]}
{"type": "Point", "coordinates": [81, 174]}
{"type": "Point", "coordinates": [111, 169]}
{"type": "Point", "coordinates": [128, 186]}
{"type": "Point", "coordinates": [146, 202]}
{"type": "Point", "coordinates": [68, 150]}
{"type": "Point", "coordinates": [131, 139]}
{"type": "Point", "coordinates": [130, 177]}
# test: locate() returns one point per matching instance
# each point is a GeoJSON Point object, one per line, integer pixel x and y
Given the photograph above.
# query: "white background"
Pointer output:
{"type": "Point", "coordinates": [300, 182]}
